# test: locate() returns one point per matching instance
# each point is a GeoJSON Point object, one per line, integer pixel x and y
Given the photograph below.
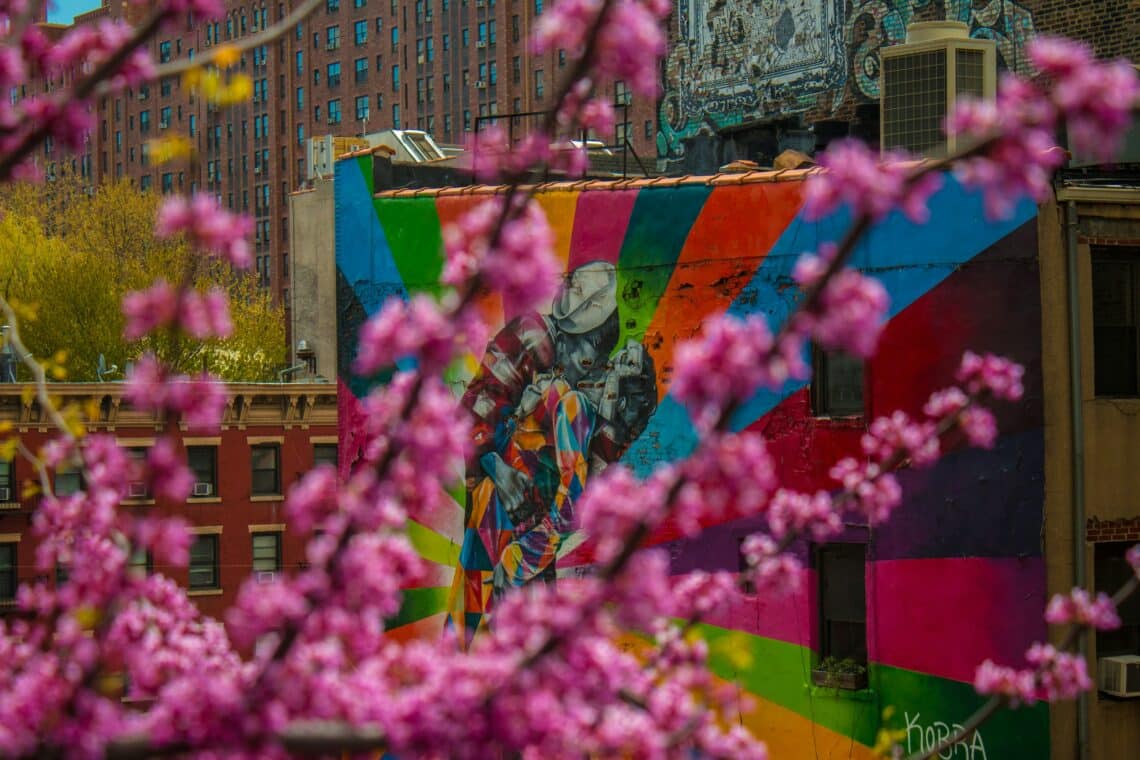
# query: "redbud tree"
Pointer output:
{"type": "Point", "coordinates": [115, 665]}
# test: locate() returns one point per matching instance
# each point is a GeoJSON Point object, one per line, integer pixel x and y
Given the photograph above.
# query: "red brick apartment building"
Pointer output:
{"type": "Point", "coordinates": [353, 66]}
{"type": "Point", "coordinates": [271, 435]}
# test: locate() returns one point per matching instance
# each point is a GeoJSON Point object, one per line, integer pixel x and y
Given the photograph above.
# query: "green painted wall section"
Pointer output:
{"type": "Point", "coordinates": [432, 546]}
{"type": "Point", "coordinates": [411, 226]}
{"type": "Point", "coordinates": [419, 603]}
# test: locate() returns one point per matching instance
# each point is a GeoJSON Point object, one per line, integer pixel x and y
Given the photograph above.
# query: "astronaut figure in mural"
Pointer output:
{"type": "Point", "coordinates": [552, 405]}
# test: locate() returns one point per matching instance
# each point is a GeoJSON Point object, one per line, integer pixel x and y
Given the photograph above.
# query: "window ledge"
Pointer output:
{"type": "Point", "coordinates": [204, 500]}
{"type": "Point", "coordinates": [137, 502]}
{"type": "Point", "coordinates": [204, 592]}
{"type": "Point", "coordinates": [267, 497]}
{"type": "Point", "coordinates": [9, 505]}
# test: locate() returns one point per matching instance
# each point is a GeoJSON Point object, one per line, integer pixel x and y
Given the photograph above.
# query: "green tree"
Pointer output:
{"type": "Point", "coordinates": [68, 254]}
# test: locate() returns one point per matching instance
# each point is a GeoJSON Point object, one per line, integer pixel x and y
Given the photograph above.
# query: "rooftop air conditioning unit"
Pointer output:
{"type": "Point", "coordinates": [266, 576]}
{"type": "Point", "coordinates": [923, 78]}
{"type": "Point", "coordinates": [5, 494]}
{"type": "Point", "coordinates": [203, 489]}
{"type": "Point", "coordinates": [136, 489]}
{"type": "Point", "coordinates": [1119, 676]}
{"type": "Point", "coordinates": [480, 85]}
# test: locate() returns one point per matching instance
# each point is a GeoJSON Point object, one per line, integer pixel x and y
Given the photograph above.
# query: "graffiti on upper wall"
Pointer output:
{"type": "Point", "coordinates": [555, 400]}
{"type": "Point", "coordinates": [739, 60]}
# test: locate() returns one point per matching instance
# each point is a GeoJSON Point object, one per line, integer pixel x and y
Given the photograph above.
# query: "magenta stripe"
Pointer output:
{"type": "Point", "coordinates": [945, 616]}
{"type": "Point", "coordinates": [600, 222]}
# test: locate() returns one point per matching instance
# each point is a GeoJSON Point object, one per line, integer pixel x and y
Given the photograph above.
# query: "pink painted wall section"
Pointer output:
{"type": "Point", "coordinates": [790, 618]}
{"type": "Point", "coordinates": [944, 616]}
{"type": "Point", "coordinates": [600, 223]}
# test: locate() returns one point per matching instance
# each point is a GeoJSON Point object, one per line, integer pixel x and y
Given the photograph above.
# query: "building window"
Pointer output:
{"type": "Point", "coordinates": [164, 51]}
{"type": "Point", "coordinates": [141, 563]}
{"type": "Point", "coordinates": [430, 43]}
{"type": "Point", "coordinates": [539, 86]}
{"type": "Point", "coordinates": [514, 28]}
{"type": "Point", "coordinates": [334, 111]}
{"type": "Point", "coordinates": [7, 480]}
{"type": "Point", "coordinates": [144, 122]}
{"type": "Point", "coordinates": [395, 116]}
{"type": "Point", "coordinates": [1115, 281]}
{"type": "Point", "coordinates": [836, 384]}
{"type": "Point", "coordinates": [300, 99]}
{"type": "Point", "coordinates": [333, 77]}
{"type": "Point", "coordinates": [648, 129]}
{"type": "Point", "coordinates": [1111, 571]}
{"type": "Point", "coordinates": [332, 38]}
{"type": "Point", "coordinates": [360, 32]}
{"type": "Point", "coordinates": [561, 58]}
{"type": "Point", "coordinates": [332, 5]}
{"type": "Point", "coordinates": [324, 453]}
{"type": "Point", "coordinates": [266, 553]}
{"type": "Point", "coordinates": [446, 42]}
{"type": "Point", "coordinates": [137, 487]}
{"type": "Point", "coordinates": [9, 576]}
{"type": "Point", "coordinates": [491, 32]}
{"type": "Point", "coordinates": [203, 462]}
{"type": "Point", "coordinates": [622, 96]}
{"type": "Point", "coordinates": [266, 464]}
{"type": "Point", "coordinates": [204, 570]}
{"type": "Point", "coordinates": [842, 601]}
{"type": "Point", "coordinates": [493, 72]}
{"type": "Point", "coordinates": [361, 68]}
{"type": "Point", "coordinates": [396, 77]}
{"type": "Point", "coordinates": [361, 107]}
{"type": "Point", "coordinates": [300, 62]}
{"type": "Point", "coordinates": [395, 37]}
{"type": "Point", "coordinates": [465, 37]}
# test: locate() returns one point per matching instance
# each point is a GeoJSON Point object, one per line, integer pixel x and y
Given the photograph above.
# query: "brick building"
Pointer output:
{"type": "Point", "coordinates": [270, 436]}
{"type": "Point", "coordinates": [351, 67]}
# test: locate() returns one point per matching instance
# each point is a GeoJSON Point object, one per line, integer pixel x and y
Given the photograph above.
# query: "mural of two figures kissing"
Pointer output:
{"type": "Point", "coordinates": [554, 401]}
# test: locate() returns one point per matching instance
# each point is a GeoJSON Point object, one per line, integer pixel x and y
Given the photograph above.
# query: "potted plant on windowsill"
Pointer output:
{"type": "Point", "coordinates": [840, 674]}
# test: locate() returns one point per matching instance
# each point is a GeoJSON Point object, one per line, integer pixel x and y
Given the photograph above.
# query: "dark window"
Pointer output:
{"type": "Point", "coordinates": [324, 453]}
{"type": "Point", "coordinates": [141, 563]}
{"type": "Point", "coordinates": [266, 552]}
{"type": "Point", "coordinates": [266, 460]}
{"type": "Point", "coordinates": [68, 480]}
{"type": "Point", "coordinates": [842, 601]}
{"type": "Point", "coordinates": [137, 487]}
{"type": "Point", "coordinates": [1115, 276]}
{"type": "Point", "coordinates": [9, 578]}
{"type": "Point", "coordinates": [8, 480]}
{"type": "Point", "coordinates": [1111, 571]}
{"type": "Point", "coordinates": [203, 462]}
{"type": "Point", "coordinates": [836, 385]}
{"type": "Point", "coordinates": [204, 563]}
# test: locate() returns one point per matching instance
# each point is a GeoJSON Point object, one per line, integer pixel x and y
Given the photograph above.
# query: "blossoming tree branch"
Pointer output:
{"type": "Point", "coordinates": [302, 664]}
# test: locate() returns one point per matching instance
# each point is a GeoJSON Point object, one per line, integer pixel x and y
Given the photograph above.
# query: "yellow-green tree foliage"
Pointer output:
{"type": "Point", "coordinates": [69, 256]}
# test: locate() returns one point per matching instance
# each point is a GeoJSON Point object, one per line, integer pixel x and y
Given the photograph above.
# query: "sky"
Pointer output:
{"type": "Point", "coordinates": [62, 11]}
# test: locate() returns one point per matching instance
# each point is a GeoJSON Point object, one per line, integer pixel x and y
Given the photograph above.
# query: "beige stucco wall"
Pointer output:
{"type": "Point", "coordinates": [1112, 447]}
{"type": "Point", "coordinates": [313, 315]}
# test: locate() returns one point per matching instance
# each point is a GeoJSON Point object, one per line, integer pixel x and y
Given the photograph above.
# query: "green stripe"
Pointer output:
{"type": "Point", "coordinates": [365, 164]}
{"type": "Point", "coordinates": [658, 226]}
{"type": "Point", "coordinates": [419, 603]}
{"type": "Point", "coordinates": [432, 546]}
{"type": "Point", "coordinates": [411, 227]}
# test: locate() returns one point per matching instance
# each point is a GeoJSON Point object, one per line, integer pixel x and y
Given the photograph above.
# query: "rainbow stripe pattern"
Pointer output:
{"type": "Point", "coordinates": [956, 577]}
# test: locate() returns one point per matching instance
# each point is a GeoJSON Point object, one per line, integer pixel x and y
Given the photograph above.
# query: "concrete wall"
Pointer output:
{"type": "Point", "coordinates": [956, 577]}
{"type": "Point", "coordinates": [313, 298]}
{"type": "Point", "coordinates": [1111, 437]}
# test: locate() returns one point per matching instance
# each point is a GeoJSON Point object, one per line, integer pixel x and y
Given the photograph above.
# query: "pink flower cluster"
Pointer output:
{"type": "Point", "coordinates": [208, 227]}
{"type": "Point", "coordinates": [898, 433]}
{"type": "Point", "coordinates": [852, 307]}
{"type": "Point", "coordinates": [874, 493]}
{"type": "Point", "coordinates": [996, 375]}
{"type": "Point", "coordinates": [201, 400]}
{"type": "Point", "coordinates": [1079, 607]}
{"type": "Point", "coordinates": [199, 315]}
{"type": "Point", "coordinates": [416, 328]}
{"type": "Point", "coordinates": [728, 477]}
{"type": "Point", "coordinates": [1093, 99]}
{"type": "Point", "coordinates": [509, 250]}
{"type": "Point", "coordinates": [856, 176]}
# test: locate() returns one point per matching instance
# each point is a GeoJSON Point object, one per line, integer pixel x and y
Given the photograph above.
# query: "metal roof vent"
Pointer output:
{"type": "Point", "coordinates": [923, 78]}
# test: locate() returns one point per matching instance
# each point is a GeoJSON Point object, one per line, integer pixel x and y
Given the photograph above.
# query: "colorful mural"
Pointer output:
{"type": "Point", "coordinates": [955, 578]}
{"type": "Point", "coordinates": [742, 60]}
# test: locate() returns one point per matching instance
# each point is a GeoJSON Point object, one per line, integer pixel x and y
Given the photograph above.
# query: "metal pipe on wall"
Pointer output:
{"type": "Point", "coordinates": [1076, 412]}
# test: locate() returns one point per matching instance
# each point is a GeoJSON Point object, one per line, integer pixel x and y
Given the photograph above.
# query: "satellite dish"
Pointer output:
{"type": "Point", "coordinates": [103, 371]}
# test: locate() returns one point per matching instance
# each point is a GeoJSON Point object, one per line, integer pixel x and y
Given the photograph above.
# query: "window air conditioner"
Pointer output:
{"type": "Point", "coordinates": [203, 489]}
{"type": "Point", "coordinates": [480, 85]}
{"type": "Point", "coordinates": [5, 494]}
{"type": "Point", "coordinates": [419, 59]}
{"type": "Point", "coordinates": [923, 79]}
{"type": "Point", "coordinates": [136, 489]}
{"type": "Point", "coordinates": [480, 43]}
{"type": "Point", "coordinates": [266, 576]}
{"type": "Point", "coordinates": [479, 3]}
{"type": "Point", "coordinates": [1119, 676]}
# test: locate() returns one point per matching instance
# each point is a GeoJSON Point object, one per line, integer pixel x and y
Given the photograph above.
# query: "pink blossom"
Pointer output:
{"type": "Point", "coordinates": [875, 493]}
{"type": "Point", "coordinates": [166, 473]}
{"type": "Point", "coordinates": [147, 310]}
{"type": "Point", "coordinates": [1018, 686]}
{"type": "Point", "coordinates": [946, 402]}
{"type": "Point", "coordinates": [166, 538]}
{"type": "Point", "coordinates": [979, 426]}
{"type": "Point", "coordinates": [615, 504]}
{"type": "Point", "coordinates": [207, 226]}
{"type": "Point", "coordinates": [771, 571]}
{"type": "Point", "coordinates": [918, 441]}
{"type": "Point", "coordinates": [729, 476]}
{"type": "Point", "coordinates": [851, 312]}
{"type": "Point", "coordinates": [1078, 607]}
{"type": "Point", "coordinates": [999, 376]}
{"type": "Point", "coordinates": [415, 329]}
{"type": "Point", "coordinates": [855, 175]}
{"type": "Point", "coordinates": [801, 513]}
{"type": "Point", "coordinates": [1062, 675]}
{"type": "Point", "coordinates": [1133, 558]}
{"type": "Point", "coordinates": [205, 315]}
